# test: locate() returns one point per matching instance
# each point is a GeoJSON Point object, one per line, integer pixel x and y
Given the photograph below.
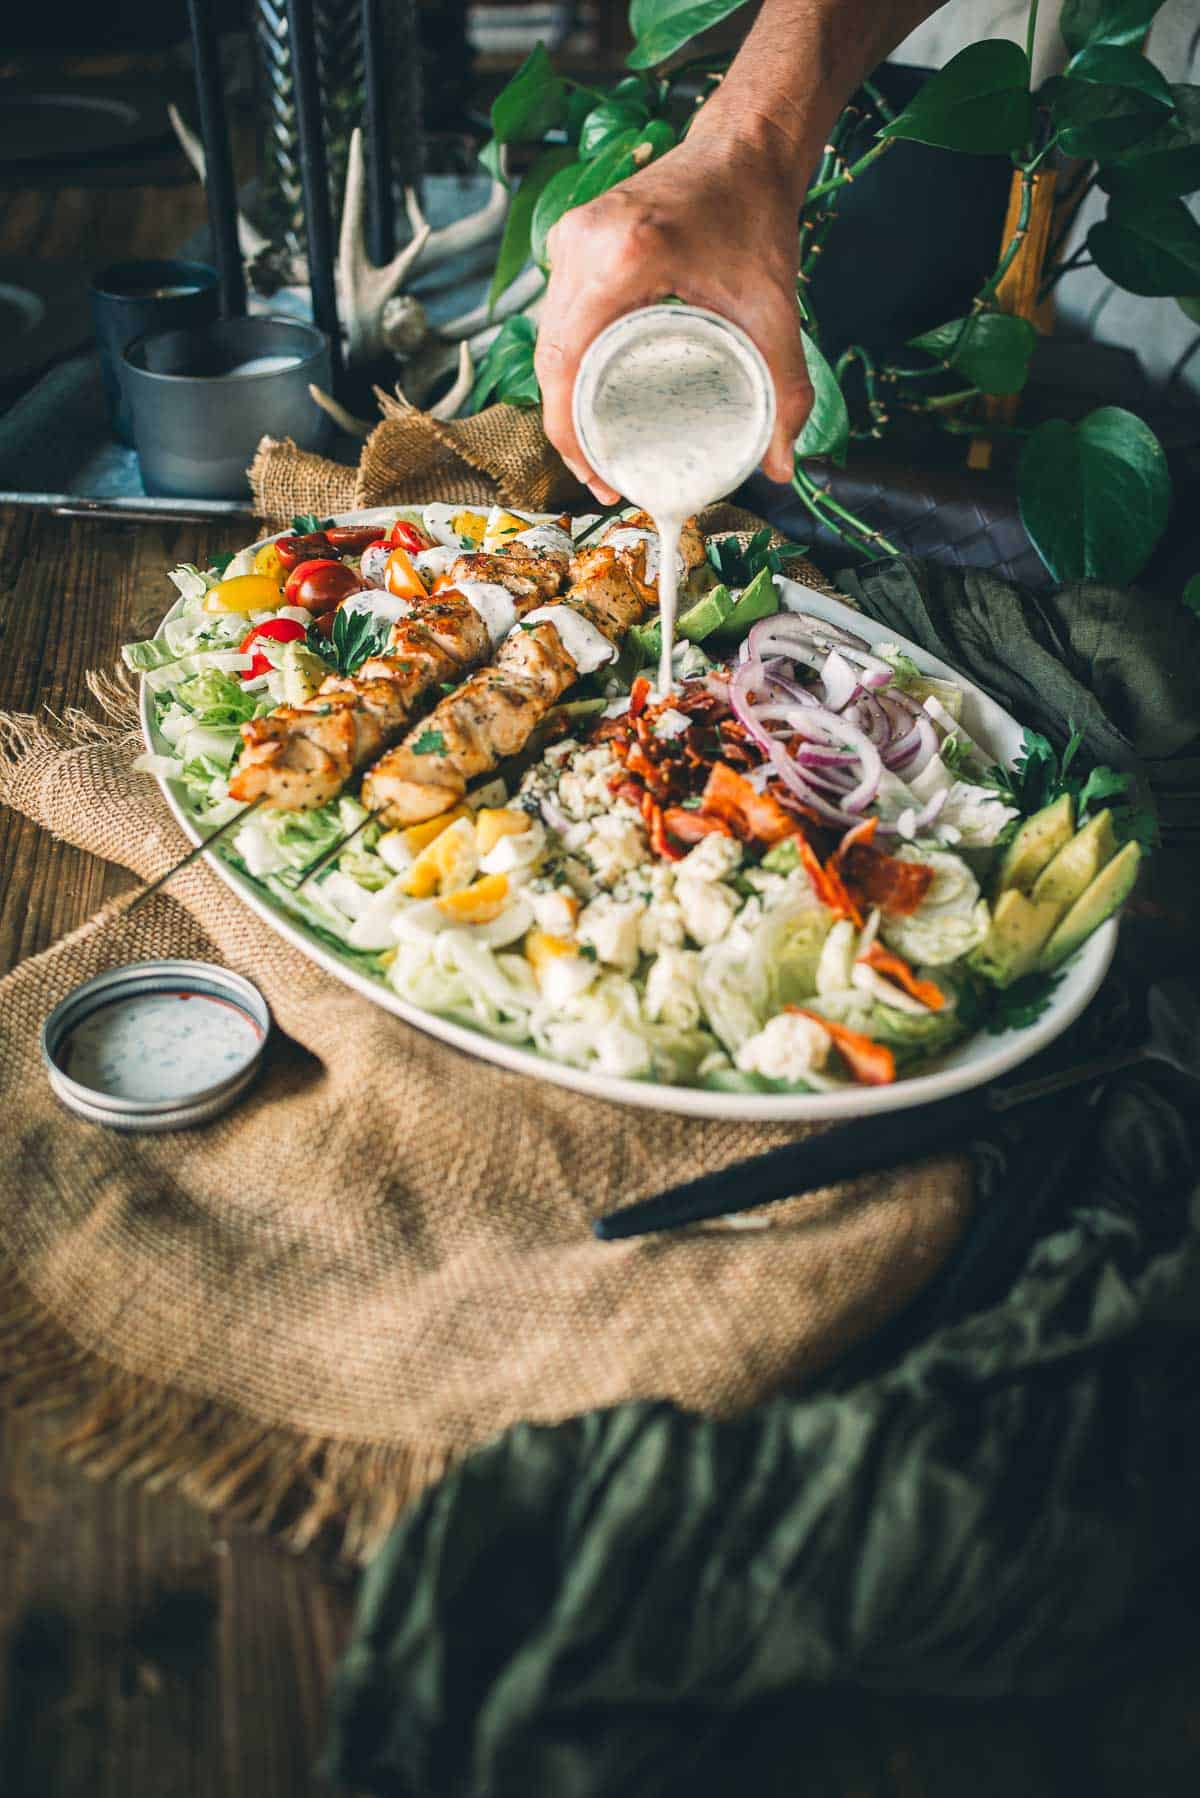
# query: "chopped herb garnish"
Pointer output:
{"type": "Point", "coordinates": [736, 564]}
{"type": "Point", "coordinates": [587, 951]}
{"type": "Point", "coordinates": [1017, 1006]}
{"type": "Point", "coordinates": [446, 686]}
{"type": "Point", "coordinates": [355, 637]}
{"type": "Point", "coordinates": [1039, 776]}
{"type": "Point", "coordinates": [430, 742]}
{"type": "Point", "coordinates": [306, 523]}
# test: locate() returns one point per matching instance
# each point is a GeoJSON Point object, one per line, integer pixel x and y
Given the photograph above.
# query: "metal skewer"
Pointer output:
{"type": "Point", "coordinates": [331, 854]}
{"type": "Point", "coordinates": [192, 854]}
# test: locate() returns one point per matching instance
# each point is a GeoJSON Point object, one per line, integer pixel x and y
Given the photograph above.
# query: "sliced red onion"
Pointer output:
{"type": "Point", "coordinates": [820, 629]}
{"type": "Point", "coordinates": [921, 820]}
{"type": "Point", "coordinates": [804, 790]}
{"type": "Point", "coordinates": [915, 750]}
{"type": "Point", "coordinates": [840, 681]}
{"type": "Point", "coordinates": [749, 676]}
{"type": "Point", "coordinates": [805, 722]}
{"type": "Point", "coordinates": [876, 673]}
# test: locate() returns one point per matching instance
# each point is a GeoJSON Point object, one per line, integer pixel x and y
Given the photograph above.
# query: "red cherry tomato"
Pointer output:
{"type": "Point", "coordinates": [352, 539]}
{"type": "Point", "coordinates": [294, 550]}
{"type": "Point", "coordinates": [279, 630]}
{"type": "Point", "coordinates": [407, 536]}
{"type": "Point", "coordinates": [318, 586]}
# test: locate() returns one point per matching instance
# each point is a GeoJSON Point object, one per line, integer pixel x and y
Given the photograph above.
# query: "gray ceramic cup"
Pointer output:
{"type": "Point", "coordinates": [202, 400]}
{"type": "Point", "coordinates": [131, 299]}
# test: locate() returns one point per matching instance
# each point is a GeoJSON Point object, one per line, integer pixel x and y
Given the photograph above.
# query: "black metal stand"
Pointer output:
{"type": "Point", "coordinates": [381, 211]}
{"type": "Point", "coordinates": [315, 177]}
{"type": "Point", "coordinates": [219, 180]}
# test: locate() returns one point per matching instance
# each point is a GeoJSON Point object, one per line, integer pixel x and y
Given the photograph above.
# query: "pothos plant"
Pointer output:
{"type": "Point", "coordinates": [1094, 495]}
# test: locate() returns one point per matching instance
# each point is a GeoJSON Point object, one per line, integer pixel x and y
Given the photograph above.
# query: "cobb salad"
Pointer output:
{"type": "Point", "coordinates": [793, 872]}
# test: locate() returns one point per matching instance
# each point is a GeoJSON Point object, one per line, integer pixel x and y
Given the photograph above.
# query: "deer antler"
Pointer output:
{"type": "Point", "coordinates": [517, 297]}
{"type": "Point", "coordinates": [250, 238]}
{"type": "Point", "coordinates": [364, 289]}
{"type": "Point", "coordinates": [454, 396]}
{"type": "Point", "coordinates": [463, 234]}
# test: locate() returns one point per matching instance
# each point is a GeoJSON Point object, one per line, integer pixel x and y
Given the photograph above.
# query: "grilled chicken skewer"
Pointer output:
{"type": "Point", "coordinates": [492, 715]}
{"type": "Point", "coordinates": [636, 542]}
{"type": "Point", "coordinates": [299, 757]}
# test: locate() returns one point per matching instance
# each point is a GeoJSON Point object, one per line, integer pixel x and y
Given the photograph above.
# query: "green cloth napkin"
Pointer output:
{"type": "Point", "coordinates": [977, 1504]}
{"type": "Point", "coordinates": [1120, 665]}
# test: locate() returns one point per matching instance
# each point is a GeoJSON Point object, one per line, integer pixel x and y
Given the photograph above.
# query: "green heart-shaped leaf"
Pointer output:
{"type": "Point", "coordinates": [660, 27]}
{"type": "Point", "coordinates": [1094, 497]}
{"type": "Point", "coordinates": [555, 198]}
{"type": "Point", "coordinates": [515, 244]}
{"type": "Point", "coordinates": [1148, 246]}
{"type": "Point", "coordinates": [1110, 98]}
{"type": "Point", "coordinates": [827, 428]}
{"type": "Point", "coordinates": [1166, 162]}
{"type": "Point", "coordinates": [992, 349]}
{"type": "Point", "coordinates": [1085, 22]}
{"type": "Point", "coordinates": [534, 101]}
{"type": "Point", "coordinates": [580, 182]}
{"type": "Point", "coordinates": [506, 369]}
{"type": "Point", "coordinates": [608, 120]}
{"type": "Point", "coordinates": [980, 102]}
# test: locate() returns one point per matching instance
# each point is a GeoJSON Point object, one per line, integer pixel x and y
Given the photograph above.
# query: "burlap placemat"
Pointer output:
{"type": "Point", "coordinates": [307, 1309]}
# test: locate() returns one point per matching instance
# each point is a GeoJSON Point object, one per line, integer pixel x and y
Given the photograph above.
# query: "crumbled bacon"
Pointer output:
{"type": "Point", "coordinates": [871, 1063]}
{"type": "Point", "coordinates": [896, 969]}
{"type": "Point", "coordinates": [875, 878]}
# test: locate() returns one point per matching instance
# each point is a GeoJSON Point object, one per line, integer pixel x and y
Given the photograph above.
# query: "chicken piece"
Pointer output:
{"type": "Point", "coordinates": [538, 577]}
{"type": "Point", "coordinates": [637, 534]}
{"type": "Point", "coordinates": [493, 715]}
{"type": "Point", "coordinates": [301, 756]}
{"type": "Point", "coordinates": [608, 588]}
{"type": "Point", "coordinates": [490, 717]}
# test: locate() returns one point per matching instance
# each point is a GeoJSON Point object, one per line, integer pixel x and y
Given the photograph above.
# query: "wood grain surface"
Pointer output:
{"type": "Point", "coordinates": [148, 1652]}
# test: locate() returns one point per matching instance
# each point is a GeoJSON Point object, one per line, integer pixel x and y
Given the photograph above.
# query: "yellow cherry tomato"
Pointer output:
{"type": "Point", "coordinates": [401, 578]}
{"type": "Point", "coordinates": [244, 593]}
{"type": "Point", "coordinates": [269, 562]}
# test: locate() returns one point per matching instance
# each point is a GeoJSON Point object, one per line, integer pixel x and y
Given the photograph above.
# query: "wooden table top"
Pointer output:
{"type": "Point", "coordinates": [150, 1651]}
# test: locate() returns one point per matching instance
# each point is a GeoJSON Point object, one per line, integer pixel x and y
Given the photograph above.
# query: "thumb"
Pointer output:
{"type": "Point", "coordinates": [793, 399]}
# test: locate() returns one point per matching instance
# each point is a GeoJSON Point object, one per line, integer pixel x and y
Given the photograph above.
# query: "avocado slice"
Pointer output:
{"type": "Point", "coordinates": [1111, 887]}
{"type": "Point", "coordinates": [1019, 928]}
{"type": "Point", "coordinates": [1036, 844]}
{"type": "Point", "coordinates": [1077, 863]}
{"type": "Point", "coordinates": [707, 615]}
{"type": "Point", "coordinates": [759, 600]}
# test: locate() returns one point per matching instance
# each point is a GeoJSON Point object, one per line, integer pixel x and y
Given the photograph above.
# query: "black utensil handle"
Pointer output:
{"type": "Point", "coordinates": [861, 1147]}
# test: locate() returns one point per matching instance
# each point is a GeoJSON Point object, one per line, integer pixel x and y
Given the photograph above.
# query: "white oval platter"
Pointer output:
{"type": "Point", "coordinates": [975, 1062]}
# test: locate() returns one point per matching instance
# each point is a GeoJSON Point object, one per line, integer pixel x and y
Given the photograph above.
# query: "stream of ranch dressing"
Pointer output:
{"type": "Point", "coordinates": [674, 407]}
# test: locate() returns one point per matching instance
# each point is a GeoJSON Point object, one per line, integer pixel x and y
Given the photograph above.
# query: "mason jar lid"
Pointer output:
{"type": "Point", "coordinates": [156, 1045]}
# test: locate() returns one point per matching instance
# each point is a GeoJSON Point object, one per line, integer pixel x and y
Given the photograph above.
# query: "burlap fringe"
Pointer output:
{"type": "Point", "coordinates": [310, 1492]}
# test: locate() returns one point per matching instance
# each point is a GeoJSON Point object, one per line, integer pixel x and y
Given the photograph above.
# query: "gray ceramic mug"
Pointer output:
{"type": "Point", "coordinates": [201, 401]}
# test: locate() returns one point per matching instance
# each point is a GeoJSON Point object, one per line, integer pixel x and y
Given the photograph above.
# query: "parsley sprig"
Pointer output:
{"type": "Point", "coordinates": [430, 742]}
{"type": "Point", "coordinates": [305, 524]}
{"type": "Point", "coordinates": [1000, 1008]}
{"type": "Point", "coordinates": [355, 637]}
{"type": "Point", "coordinates": [1040, 775]}
{"type": "Point", "coordinates": [737, 564]}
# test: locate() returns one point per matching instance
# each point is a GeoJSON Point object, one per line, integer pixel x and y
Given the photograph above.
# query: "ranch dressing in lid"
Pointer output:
{"type": "Point", "coordinates": [157, 1045]}
{"type": "Point", "coordinates": [674, 407]}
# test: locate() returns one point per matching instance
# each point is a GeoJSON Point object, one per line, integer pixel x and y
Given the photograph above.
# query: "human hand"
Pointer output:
{"type": "Point", "coordinates": [714, 223]}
